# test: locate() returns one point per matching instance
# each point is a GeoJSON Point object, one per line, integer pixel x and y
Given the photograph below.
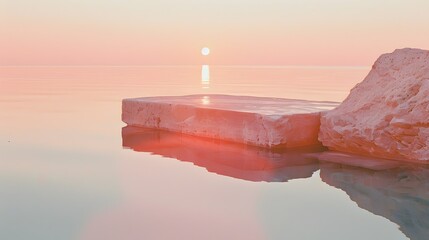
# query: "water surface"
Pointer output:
{"type": "Point", "coordinates": [70, 170]}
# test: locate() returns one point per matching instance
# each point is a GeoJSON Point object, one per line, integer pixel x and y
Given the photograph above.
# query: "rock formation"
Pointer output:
{"type": "Point", "coordinates": [386, 115]}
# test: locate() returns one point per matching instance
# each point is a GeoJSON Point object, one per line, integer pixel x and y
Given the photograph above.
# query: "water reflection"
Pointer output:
{"type": "Point", "coordinates": [400, 194]}
{"type": "Point", "coordinates": [205, 76]}
{"type": "Point", "coordinates": [223, 158]}
{"type": "Point", "coordinates": [205, 100]}
{"type": "Point", "coordinates": [396, 191]}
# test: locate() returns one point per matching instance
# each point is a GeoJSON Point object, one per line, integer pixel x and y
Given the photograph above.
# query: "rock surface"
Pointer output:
{"type": "Point", "coordinates": [264, 122]}
{"type": "Point", "coordinates": [386, 115]}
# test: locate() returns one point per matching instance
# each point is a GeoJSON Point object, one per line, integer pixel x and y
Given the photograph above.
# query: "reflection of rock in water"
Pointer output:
{"type": "Point", "coordinates": [224, 158]}
{"type": "Point", "coordinates": [400, 195]}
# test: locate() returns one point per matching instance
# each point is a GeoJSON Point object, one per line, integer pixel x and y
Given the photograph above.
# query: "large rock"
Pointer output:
{"type": "Point", "coordinates": [387, 115]}
{"type": "Point", "coordinates": [258, 121]}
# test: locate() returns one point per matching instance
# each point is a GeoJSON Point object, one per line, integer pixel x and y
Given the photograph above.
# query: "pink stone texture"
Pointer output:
{"type": "Point", "coordinates": [264, 122]}
{"type": "Point", "coordinates": [386, 115]}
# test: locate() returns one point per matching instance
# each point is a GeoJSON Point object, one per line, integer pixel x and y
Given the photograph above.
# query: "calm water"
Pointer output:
{"type": "Point", "coordinates": [70, 170]}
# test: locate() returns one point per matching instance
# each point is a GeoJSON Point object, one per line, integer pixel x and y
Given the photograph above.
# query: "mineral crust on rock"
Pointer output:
{"type": "Point", "coordinates": [386, 115]}
{"type": "Point", "coordinates": [265, 122]}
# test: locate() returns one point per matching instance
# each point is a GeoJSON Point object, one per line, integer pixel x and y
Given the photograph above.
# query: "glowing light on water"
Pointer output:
{"type": "Point", "coordinates": [205, 100]}
{"type": "Point", "coordinates": [205, 76]}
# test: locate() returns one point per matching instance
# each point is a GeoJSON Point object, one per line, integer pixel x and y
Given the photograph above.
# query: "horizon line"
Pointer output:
{"type": "Point", "coordinates": [196, 65]}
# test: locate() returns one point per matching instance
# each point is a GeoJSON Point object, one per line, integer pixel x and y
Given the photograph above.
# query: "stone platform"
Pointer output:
{"type": "Point", "coordinates": [258, 121]}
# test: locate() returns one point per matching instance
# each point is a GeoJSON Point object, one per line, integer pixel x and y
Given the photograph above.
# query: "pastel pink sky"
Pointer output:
{"type": "Point", "coordinates": [243, 32]}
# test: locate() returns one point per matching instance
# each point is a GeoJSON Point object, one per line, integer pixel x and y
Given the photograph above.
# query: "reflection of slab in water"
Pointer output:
{"type": "Point", "coordinates": [399, 194]}
{"type": "Point", "coordinates": [223, 158]}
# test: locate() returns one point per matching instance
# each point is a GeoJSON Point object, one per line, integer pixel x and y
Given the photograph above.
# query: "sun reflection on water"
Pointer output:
{"type": "Point", "coordinates": [205, 100]}
{"type": "Point", "coordinates": [205, 76]}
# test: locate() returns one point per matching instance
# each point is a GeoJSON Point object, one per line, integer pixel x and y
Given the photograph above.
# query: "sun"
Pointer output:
{"type": "Point", "coordinates": [205, 51]}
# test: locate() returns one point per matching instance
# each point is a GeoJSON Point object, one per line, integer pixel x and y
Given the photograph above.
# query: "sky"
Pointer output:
{"type": "Point", "coordinates": [238, 32]}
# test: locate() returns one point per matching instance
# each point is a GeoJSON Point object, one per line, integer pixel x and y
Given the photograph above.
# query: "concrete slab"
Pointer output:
{"type": "Point", "coordinates": [258, 121]}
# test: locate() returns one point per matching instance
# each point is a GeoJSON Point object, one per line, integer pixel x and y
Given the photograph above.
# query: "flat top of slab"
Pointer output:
{"type": "Point", "coordinates": [260, 105]}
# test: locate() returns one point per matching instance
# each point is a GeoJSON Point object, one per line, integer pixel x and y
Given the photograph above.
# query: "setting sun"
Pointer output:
{"type": "Point", "coordinates": [205, 51]}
